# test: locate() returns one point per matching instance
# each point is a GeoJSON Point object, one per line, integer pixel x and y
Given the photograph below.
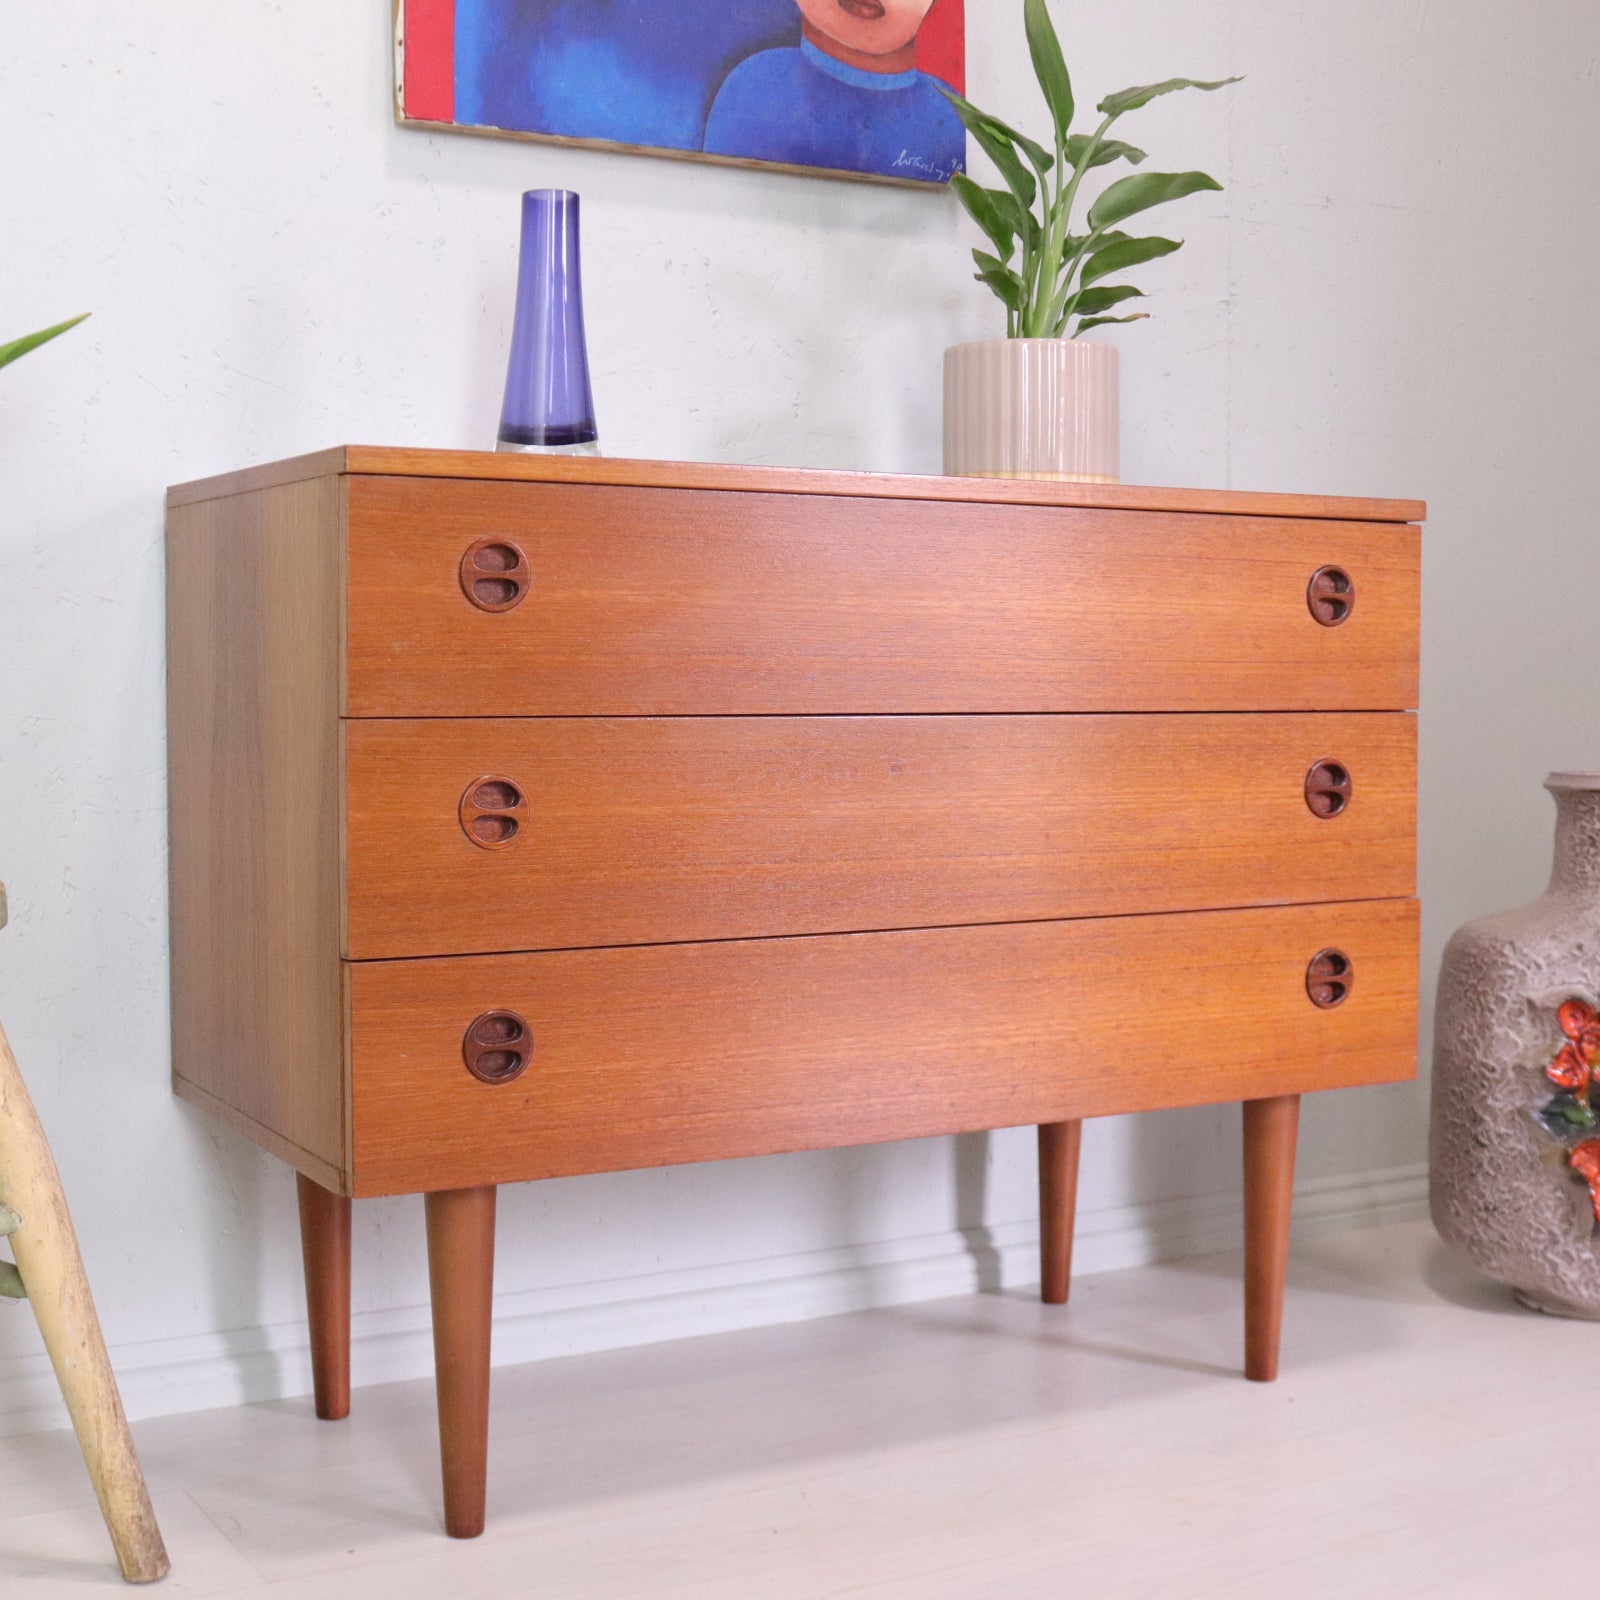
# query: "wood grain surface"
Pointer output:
{"type": "Point", "coordinates": [662, 602]}
{"type": "Point", "coordinates": [384, 461]}
{"type": "Point", "coordinates": [660, 1054]}
{"type": "Point", "coordinates": [253, 637]}
{"type": "Point", "coordinates": [648, 830]}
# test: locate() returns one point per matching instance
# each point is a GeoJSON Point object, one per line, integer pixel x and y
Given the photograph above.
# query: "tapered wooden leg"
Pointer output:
{"type": "Point", "coordinates": [461, 1275]}
{"type": "Point", "coordinates": [1270, 1128]}
{"type": "Point", "coordinates": [45, 1248]}
{"type": "Point", "coordinates": [325, 1245]}
{"type": "Point", "coordinates": [1058, 1207]}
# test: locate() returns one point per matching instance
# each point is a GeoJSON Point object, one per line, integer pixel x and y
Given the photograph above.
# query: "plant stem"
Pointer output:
{"type": "Point", "coordinates": [1061, 291]}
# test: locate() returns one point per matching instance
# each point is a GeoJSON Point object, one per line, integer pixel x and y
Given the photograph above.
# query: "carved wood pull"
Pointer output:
{"type": "Point", "coordinates": [1329, 979]}
{"type": "Point", "coordinates": [1331, 595]}
{"type": "Point", "coordinates": [1328, 788]}
{"type": "Point", "coordinates": [495, 575]}
{"type": "Point", "coordinates": [491, 812]}
{"type": "Point", "coordinates": [497, 1047]}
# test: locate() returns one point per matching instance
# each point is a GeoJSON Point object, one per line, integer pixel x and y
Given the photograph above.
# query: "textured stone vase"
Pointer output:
{"type": "Point", "coordinates": [1515, 1138]}
{"type": "Point", "coordinates": [1032, 408]}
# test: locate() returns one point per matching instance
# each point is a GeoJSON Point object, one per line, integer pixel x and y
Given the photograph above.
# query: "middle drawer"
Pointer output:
{"type": "Point", "coordinates": [479, 835]}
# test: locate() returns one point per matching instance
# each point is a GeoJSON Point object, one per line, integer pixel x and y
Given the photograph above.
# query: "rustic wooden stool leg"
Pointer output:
{"type": "Point", "coordinates": [1270, 1129]}
{"type": "Point", "coordinates": [325, 1246]}
{"type": "Point", "coordinates": [1058, 1207]}
{"type": "Point", "coordinates": [46, 1251]}
{"type": "Point", "coordinates": [461, 1276]}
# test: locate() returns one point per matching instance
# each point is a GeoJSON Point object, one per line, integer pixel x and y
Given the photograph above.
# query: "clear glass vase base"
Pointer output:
{"type": "Point", "coordinates": [590, 447]}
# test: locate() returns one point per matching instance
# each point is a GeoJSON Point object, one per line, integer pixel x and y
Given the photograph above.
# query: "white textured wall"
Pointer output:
{"type": "Point", "coordinates": [1395, 296]}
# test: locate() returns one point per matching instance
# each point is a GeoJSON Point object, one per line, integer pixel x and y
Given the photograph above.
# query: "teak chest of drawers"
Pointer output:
{"type": "Point", "coordinates": [534, 817]}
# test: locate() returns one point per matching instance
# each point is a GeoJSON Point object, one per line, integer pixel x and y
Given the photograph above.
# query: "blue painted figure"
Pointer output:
{"type": "Point", "coordinates": [824, 83]}
{"type": "Point", "coordinates": [633, 71]}
{"type": "Point", "coordinates": [848, 97]}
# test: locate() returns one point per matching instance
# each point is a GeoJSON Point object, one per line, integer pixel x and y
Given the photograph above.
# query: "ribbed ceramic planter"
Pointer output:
{"type": "Point", "coordinates": [1515, 1139]}
{"type": "Point", "coordinates": [1032, 408]}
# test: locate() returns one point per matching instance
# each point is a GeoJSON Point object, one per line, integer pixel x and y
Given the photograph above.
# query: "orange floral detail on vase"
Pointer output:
{"type": "Point", "coordinates": [1573, 1067]}
{"type": "Point", "coordinates": [1584, 1159]}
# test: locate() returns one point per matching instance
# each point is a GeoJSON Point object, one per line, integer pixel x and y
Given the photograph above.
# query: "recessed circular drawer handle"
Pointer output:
{"type": "Point", "coordinates": [1331, 595]}
{"type": "Point", "coordinates": [1330, 978]}
{"type": "Point", "coordinates": [492, 810]}
{"type": "Point", "coordinates": [495, 575]}
{"type": "Point", "coordinates": [497, 1047]}
{"type": "Point", "coordinates": [1328, 788]}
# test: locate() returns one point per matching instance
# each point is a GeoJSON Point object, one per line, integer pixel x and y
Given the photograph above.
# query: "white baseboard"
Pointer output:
{"type": "Point", "coordinates": [163, 1376]}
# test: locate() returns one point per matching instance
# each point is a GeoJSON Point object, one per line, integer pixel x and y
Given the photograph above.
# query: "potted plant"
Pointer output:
{"type": "Point", "coordinates": [1042, 402]}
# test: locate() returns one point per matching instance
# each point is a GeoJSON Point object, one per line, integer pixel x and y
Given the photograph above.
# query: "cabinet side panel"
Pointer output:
{"type": "Point", "coordinates": [254, 635]}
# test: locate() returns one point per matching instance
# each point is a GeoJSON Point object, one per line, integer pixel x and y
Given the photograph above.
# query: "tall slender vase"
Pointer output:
{"type": "Point", "coordinates": [549, 408]}
{"type": "Point", "coordinates": [1515, 1136]}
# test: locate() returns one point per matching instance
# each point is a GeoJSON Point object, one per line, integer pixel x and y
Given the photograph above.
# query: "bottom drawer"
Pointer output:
{"type": "Point", "coordinates": [655, 1054]}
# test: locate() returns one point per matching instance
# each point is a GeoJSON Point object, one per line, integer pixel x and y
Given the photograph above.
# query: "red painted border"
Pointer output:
{"type": "Point", "coordinates": [942, 44]}
{"type": "Point", "coordinates": [428, 38]}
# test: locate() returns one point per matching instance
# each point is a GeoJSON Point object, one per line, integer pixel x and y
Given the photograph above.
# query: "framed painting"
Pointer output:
{"type": "Point", "coordinates": [849, 88]}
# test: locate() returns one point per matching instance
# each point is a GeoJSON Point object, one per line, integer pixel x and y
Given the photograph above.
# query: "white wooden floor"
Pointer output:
{"type": "Point", "coordinates": [1427, 1438]}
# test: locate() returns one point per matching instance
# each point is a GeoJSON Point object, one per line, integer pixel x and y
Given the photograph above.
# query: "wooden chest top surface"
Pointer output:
{"type": "Point", "coordinates": [383, 461]}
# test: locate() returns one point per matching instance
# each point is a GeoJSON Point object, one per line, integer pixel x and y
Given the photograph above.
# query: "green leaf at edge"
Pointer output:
{"type": "Point", "coordinates": [1049, 65]}
{"type": "Point", "coordinates": [1001, 151]}
{"type": "Point", "coordinates": [1114, 105]}
{"type": "Point", "coordinates": [1117, 252]}
{"type": "Point", "coordinates": [1041, 158]}
{"type": "Point", "coordinates": [1131, 195]}
{"type": "Point", "coordinates": [1006, 285]}
{"type": "Point", "coordinates": [1091, 302]}
{"type": "Point", "coordinates": [985, 210]}
{"type": "Point", "coordinates": [1100, 322]}
{"type": "Point", "coordinates": [1110, 150]}
{"type": "Point", "coordinates": [32, 341]}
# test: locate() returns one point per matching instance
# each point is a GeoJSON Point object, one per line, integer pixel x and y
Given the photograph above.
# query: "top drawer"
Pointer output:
{"type": "Point", "coordinates": [661, 602]}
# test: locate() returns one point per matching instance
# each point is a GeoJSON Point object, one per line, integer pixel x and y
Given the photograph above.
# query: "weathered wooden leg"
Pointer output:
{"type": "Point", "coordinates": [1270, 1127]}
{"type": "Point", "coordinates": [1058, 1206]}
{"type": "Point", "coordinates": [461, 1276]}
{"type": "Point", "coordinates": [47, 1256]}
{"type": "Point", "coordinates": [325, 1245]}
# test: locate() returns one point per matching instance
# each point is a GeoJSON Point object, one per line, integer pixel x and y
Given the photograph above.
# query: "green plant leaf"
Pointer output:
{"type": "Point", "coordinates": [1109, 150]}
{"type": "Point", "coordinates": [20, 347]}
{"type": "Point", "coordinates": [1128, 196]}
{"type": "Point", "coordinates": [973, 119]}
{"type": "Point", "coordinates": [1000, 150]}
{"type": "Point", "coordinates": [1006, 285]}
{"type": "Point", "coordinates": [987, 210]}
{"type": "Point", "coordinates": [1114, 105]}
{"type": "Point", "coordinates": [1041, 158]}
{"type": "Point", "coordinates": [1091, 302]}
{"type": "Point", "coordinates": [1049, 65]}
{"type": "Point", "coordinates": [1100, 322]}
{"type": "Point", "coordinates": [1117, 251]}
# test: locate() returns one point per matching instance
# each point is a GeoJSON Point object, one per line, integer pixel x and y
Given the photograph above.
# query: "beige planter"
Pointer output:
{"type": "Point", "coordinates": [1032, 408]}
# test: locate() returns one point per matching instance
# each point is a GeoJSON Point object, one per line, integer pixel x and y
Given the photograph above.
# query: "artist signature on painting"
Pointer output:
{"type": "Point", "coordinates": [931, 170]}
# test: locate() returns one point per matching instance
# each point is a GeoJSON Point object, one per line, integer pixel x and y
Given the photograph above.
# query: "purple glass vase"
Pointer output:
{"type": "Point", "coordinates": [548, 407]}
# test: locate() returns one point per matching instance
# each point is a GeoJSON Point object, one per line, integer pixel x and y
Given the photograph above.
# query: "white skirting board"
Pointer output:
{"type": "Point", "coordinates": [162, 1376]}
